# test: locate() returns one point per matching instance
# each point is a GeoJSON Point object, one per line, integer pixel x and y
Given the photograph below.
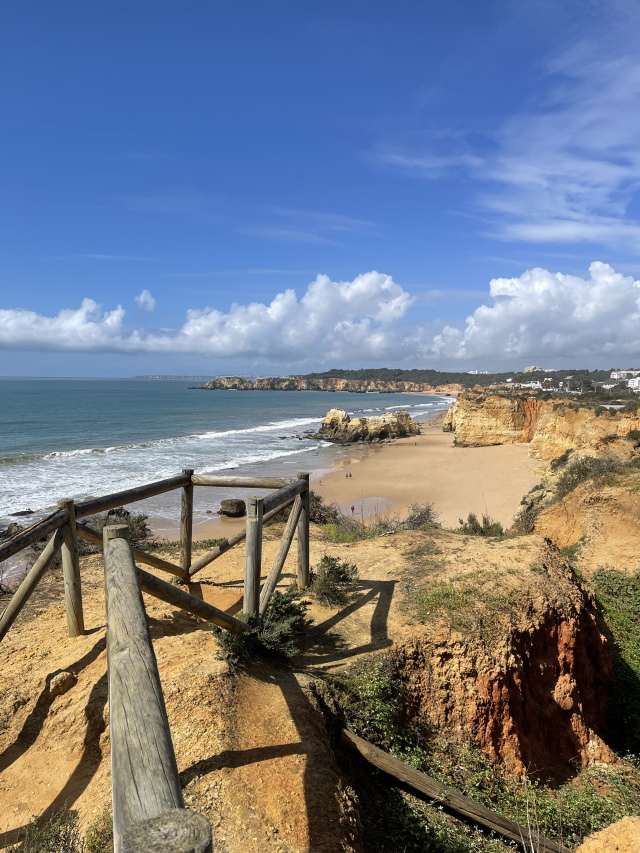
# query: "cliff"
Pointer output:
{"type": "Point", "coordinates": [337, 426]}
{"type": "Point", "coordinates": [301, 383]}
{"type": "Point", "coordinates": [550, 426]}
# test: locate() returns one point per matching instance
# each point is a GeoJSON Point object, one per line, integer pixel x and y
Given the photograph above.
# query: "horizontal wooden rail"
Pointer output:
{"type": "Point", "coordinates": [32, 534]}
{"type": "Point", "coordinates": [452, 799]}
{"type": "Point", "coordinates": [91, 535]}
{"type": "Point", "coordinates": [180, 598]}
{"type": "Point", "coordinates": [95, 505]}
{"type": "Point", "coordinates": [241, 482]}
{"type": "Point", "coordinates": [23, 593]}
{"type": "Point", "coordinates": [144, 773]}
{"type": "Point", "coordinates": [225, 546]}
{"type": "Point", "coordinates": [281, 555]}
{"type": "Point", "coordinates": [284, 495]}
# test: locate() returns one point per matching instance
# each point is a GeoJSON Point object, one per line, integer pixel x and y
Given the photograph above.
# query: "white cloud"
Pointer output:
{"type": "Point", "coordinates": [566, 169]}
{"type": "Point", "coordinates": [537, 315]}
{"type": "Point", "coordinates": [145, 301]}
{"type": "Point", "coordinates": [550, 315]}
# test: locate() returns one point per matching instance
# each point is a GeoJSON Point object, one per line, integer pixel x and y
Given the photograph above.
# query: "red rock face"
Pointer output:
{"type": "Point", "coordinates": [534, 703]}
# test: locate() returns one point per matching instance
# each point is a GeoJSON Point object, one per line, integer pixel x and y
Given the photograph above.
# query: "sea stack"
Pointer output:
{"type": "Point", "coordinates": [338, 427]}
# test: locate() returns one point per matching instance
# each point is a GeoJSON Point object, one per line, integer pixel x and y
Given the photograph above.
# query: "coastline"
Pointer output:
{"type": "Point", "coordinates": [389, 478]}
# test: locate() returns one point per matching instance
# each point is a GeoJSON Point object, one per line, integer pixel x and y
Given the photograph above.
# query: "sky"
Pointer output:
{"type": "Point", "coordinates": [264, 188]}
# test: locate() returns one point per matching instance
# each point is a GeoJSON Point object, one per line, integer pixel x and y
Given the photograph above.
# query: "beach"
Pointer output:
{"type": "Point", "coordinates": [428, 468]}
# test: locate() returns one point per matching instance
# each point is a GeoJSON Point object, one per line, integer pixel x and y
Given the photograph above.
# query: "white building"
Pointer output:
{"type": "Point", "coordinates": [634, 384]}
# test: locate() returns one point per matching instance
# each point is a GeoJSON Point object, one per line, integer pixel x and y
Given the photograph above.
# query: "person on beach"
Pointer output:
{"type": "Point", "coordinates": [353, 509]}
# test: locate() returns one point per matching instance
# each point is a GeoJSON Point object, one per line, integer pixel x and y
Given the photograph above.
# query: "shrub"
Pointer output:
{"type": "Point", "coordinates": [59, 834]}
{"type": "Point", "coordinates": [319, 512]}
{"type": "Point", "coordinates": [421, 517]}
{"type": "Point", "coordinates": [283, 624]}
{"type": "Point", "coordinates": [473, 527]}
{"type": "Point", "coordinates": [561, 460]}
{"type": "Point", "coordinates": [345, 529]}
{"type": "Point", "coordinates": [583, 469]}
{"type": "Point", "coordinates": [633, 435]}
{"type": "Point", "coordinates": [331, 579]}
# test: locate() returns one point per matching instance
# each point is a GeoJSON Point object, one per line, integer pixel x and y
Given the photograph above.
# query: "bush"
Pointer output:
{"type": "Point", "coordinates": [633, 435]}
{"type": "Point", "coordinates": [473, 527]}
{"type": "Point", "coordinates": [421, 517]}
{"type": "Point", "coordinates": [319, 512]}
{"type": "Point", "coordinates": [283, 624]}
{"type": "Point", "coordinates": [331, 579]}
{"type": "Point", "coordinates": [561, 460]}
{"type": "Point", "coordinates": [583, 469]}
{"type": "Point", "coordinates": [59, 834]}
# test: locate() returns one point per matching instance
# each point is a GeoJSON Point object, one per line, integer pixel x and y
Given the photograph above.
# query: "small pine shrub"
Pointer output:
{"type": "Point", "coordinates": [283, 624]}
{"type": "Point", "coordinates": [331, 580]}
{"type": "Point", "coordinates": [487, 527]}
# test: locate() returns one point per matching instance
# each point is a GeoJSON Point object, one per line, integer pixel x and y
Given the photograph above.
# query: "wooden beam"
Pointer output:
{"type": "Point", "coordinates": [179, 597]}
{"type": "Point", "coordinates": [91, 535]}
{"type": "Point", "coordinates": [452, 799]}
{"type": "Point", "coordinates": [32, 534]}
{"type": "Point", "coordinates": [253, 556]}
{"type": "Point", "coordinates": [281, 555]}
{"type": "Point", "coordinates": [186, 522]}
{"type": "Point", "coordinates": [241, 482]}
{"type": "Point", "coordinates": [71, 574]}
{"type": "Point", "coordinates": [284, 495]}
{"type": "Point", "coordinates": [303, 536]}
{"type": "Point", "coordinates": [23, 593]}
{"type": "Point", "coordinates": [144, 773]}
{"type": "Point", "coordinates": [95, 505]}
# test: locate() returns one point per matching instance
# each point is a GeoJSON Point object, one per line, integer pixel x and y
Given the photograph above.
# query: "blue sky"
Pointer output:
{"type": "Point", "coordinates": [189, 170]}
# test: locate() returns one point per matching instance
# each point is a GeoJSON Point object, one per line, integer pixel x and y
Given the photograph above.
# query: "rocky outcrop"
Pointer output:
{"type": "Point", "coordinates": [338, 427]}
{"type": "Point", "coordinates": [233, 507]}
{"type": "Point", "coordinates": [301, 383]}
{"type": "Point", "coordinates": [520, 668]}
{"type": "Point", "coordinates": [551, 427]}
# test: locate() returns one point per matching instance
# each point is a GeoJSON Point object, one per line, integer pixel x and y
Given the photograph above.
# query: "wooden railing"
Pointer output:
{"type": "Point", "coordinates": [148, 808]}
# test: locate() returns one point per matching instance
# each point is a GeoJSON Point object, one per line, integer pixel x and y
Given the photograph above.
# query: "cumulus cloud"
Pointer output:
{"type": "Point", "coordinates": [145, 301]}
{"type": "Point", "coordinates": [544, 314]}
{"type": "Point", "coordinates": [539, 314]}
{"type": "Point", "coordinates": [333, 319]}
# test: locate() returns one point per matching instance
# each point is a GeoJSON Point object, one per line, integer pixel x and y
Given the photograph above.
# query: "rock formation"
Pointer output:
{"type": "Point", "coordinates": [337, 426]}
{"type": "Point", "coordinates": [301, 383]}
{"type": "Point", "coordinates": [550, 426]}
{"type": "Point", "coordinates": [233, 507]}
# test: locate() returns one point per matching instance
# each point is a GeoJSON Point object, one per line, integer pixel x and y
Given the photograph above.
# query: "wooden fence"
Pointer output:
{"type": "Point", "coordinates": [148, 808]}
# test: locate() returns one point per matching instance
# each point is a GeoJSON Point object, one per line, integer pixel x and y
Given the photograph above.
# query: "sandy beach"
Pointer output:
{"type": "Point", "coordinates": [457, 480]}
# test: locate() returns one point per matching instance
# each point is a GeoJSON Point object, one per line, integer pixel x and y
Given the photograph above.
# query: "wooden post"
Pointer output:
{"type": "Point", "coordinates": [71, 574]}
{"type": "Point", "coordinates": [303, 537]}
{"type": "Point", "coordinates": [186, 522]}
{"type": "Point", "coordinates": [281, 555]}
{"type": "Point", "coordinates": [23, 593]}
{"type": "Point", "coordinates": [253, 556]}
{"type": "Point", "coordinates": [144, 773]}
{"type": "Point", "coordinates": [177, 831]}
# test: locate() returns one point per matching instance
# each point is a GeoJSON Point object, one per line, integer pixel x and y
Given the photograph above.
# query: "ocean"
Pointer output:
{"type": "Point", "coordinates": [76, 438]}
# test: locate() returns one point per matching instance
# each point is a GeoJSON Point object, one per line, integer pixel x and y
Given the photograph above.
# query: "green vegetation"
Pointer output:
{"type": "Point", "coordinates": [633, 435]}
{"type": "Point", "coordinates": [561, 460]}
{"type": "Point", "coordinates": [61, 834]}
{"type": "Point", "coordinates": [349, 529]}
{"type": "Point", "coordinates": [172, 549]}
{"type": "Point", "coordinates": [487, 527]}
{"type": "Point", "coordinates": [421, 517]}
{"type": "Point", "coordinates": [618, 595]}
{"type": "Point", "coordinates": [371, 702]}
{"type": "Point", "coordinates": [584, 469]}
{"type": "Point", "coordinates": [331, 580]}
{"type": "Point", "coordinates": [277, 636]}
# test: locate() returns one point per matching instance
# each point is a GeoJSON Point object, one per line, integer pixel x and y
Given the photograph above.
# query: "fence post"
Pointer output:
{"type": "Point", "coordinates": [71, 574]}
{"type": "Point", "coordinates": [186, 522]}
{"type": "Point", "coordinates": [303, 537]}
{"type": "Point", "coordinates": [253, 556]}
{"type": "Point", "coordinates": [144, 773]}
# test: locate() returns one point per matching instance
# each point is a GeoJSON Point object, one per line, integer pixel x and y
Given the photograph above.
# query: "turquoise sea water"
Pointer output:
{"type": "Point", "coordinates": [80, 437]}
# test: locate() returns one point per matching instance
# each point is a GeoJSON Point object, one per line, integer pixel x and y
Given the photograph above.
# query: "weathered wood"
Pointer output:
{"type": "Point", "coordinates": [91, 535]}
{"type": "Point", "coordinates": [281, 555]}
{"type": "Point", "coordinates": [186, 522]}
{"type": "Point", "coordinates": [23, 593]}
{"type": "Point", "coordinates": [284, 495]}
{"type": "Point", "coordinates": [32, 534]}
{"type": "Point", "coordinates": [177, 831]}
{"type": "Point", "coordinates": [144, 773]}
{"type": "Point", "coordinates": [303, 536]}
{"type": "Point", "coordinates": [173, 594]}
{"type": "Point", "coordinates": [95, 505]}
{"type": "Point", "coordinates": [241, 482]}
{"type": "Point", "coordinates": [452, 799]}
{"type": "Point", "coordinates": [229, 543]}
{"type": "Point", "coordinates": [253, 556]}
{"type": "Point", "coordinates": [71, 575]}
